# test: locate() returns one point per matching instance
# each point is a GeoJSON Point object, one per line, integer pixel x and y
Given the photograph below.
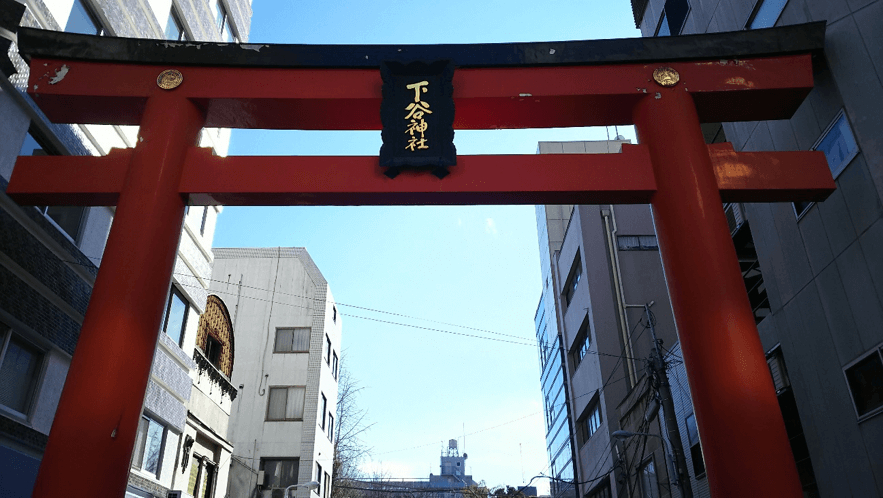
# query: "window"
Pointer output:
{"type": "Point", "coordinates": [334, 361]}
{"type": "Point", "coordinates": [695, 446]}
{"type": "Point", "coordinates": [576, 271]}
{"type": "Point", "coordinates": [223, 23]}
{"type": "Point", "coordinates": [839, 145]}
{"type": "Point", "coordinates": [649, 482]}
{"type": "Point", "coordinates": [327, 485]}
{"type": "Point", "coordinates": [202, 477]}
{"type": "Point", "coordinates": [69, 219]}
{"type": "Point", "coordinates": [590, 421]}
{"type": "Point", "coordinates": [319, 478]}
{"type": "Point", "coordinates": [865, 380]}
{"type": "Point", "coordinates": [280, 473]}
{"type": "Point", "coordinates": [674, 13]}
{"type": "Point", "coordinates": [83, 20]}
{"type": "Point", "coordinates": [293, 340]}
{"type": "Point", "coordinates": [204, 218]}
{"type": "Point", "coordinates": [582, 343]}
{"type": "Point", "coordinates": [602, 490]}
{"type": "Point", "coordinates": [149, 446]}
{"type": "Point", "coordinates": [213, 350]}
{"type": "Point", "coordinates": [327, 350]}
{"type": "Point", "coordinates": [330, 427]}
{"type": "Point", "coordinates": [637, 243]}
{"type": "Point", "coordinates": [175, 28]}
{"type": "Point", "coordinates": [20, 364]}
{"type": "Point", "coordinates": [286, 403]}
{"type": "Point", "coordinates": [765, 13]}
{"type": "Point", "coordinates": [324, 410]}
{"type": "Point", "coordinates": [334, 314]}
{"type": "Point", "coordinates": [175, 319]}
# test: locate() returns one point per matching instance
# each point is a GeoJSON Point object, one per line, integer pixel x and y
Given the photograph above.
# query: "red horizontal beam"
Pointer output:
{"type": "Point", "coordinates": [624, 178]}
{"type": "Point", "coordinates": [485, 98]}
{"type": "Point", "coordinates": [770, 176]}
{"type": "Point", "coordinates": [504, 179]}
{"type": "Point", "coordinates": [69, 180]}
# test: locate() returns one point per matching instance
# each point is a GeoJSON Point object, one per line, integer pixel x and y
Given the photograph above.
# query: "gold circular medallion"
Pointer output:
{"type": "Point", "coordinates": [169, 79]}
{"type": "Point", "coordinates": [666, 76]}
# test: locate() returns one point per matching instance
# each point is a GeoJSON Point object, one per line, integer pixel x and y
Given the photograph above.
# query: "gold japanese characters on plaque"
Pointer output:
{"type": "Point", "coordinates": [417, 113]}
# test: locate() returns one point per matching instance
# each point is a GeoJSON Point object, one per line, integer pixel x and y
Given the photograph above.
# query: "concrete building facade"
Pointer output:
{"type": "Point", "coordinates": [601, 267]}
{"type": "Point", "coordinates": [288, 334]}
{"type": "Point", "coordinates": [820, 263]}
{"type": "Point", "coordinates": [49, 258]}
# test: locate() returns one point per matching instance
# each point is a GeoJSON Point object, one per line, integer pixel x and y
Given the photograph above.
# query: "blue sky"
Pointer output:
{"type": "Point", "coordinates": [474, 266]}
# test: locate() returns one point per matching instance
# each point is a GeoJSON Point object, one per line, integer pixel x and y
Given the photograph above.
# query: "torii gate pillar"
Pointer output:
{"type": "Point", "coordinates": [715, 323]}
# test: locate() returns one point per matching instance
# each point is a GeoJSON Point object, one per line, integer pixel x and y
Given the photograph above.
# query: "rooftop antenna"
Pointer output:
{"type": "Point", "coordinates": [521, 455]}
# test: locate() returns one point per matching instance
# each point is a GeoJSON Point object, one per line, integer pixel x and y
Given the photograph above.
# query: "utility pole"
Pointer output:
{"type": "Point", "coordinates": [657, 365]}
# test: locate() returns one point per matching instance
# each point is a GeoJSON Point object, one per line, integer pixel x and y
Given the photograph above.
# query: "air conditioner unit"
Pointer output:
{"type": "Point", "coordinates": [261, 479]}
{"type": "Point", "coordinates": [735, 216]}
{"type": "Point", "coordinates": [175, 494]}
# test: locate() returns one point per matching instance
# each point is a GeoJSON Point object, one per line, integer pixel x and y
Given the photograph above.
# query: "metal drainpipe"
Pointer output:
{"type": "Point", "coordinates": [610, 218]}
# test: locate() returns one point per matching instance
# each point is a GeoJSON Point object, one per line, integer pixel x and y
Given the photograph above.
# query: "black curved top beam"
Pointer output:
{"type": "Point", "coordinates": [801, 38]}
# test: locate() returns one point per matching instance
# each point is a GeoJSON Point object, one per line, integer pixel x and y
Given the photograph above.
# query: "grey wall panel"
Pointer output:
{"type": "Point", "coordinates": [838, 312]}
{"type": "Point", "coordinates": [793, 251]}
{"type": "Point", "coordinates": [862, 199]}
{"type": "Point", "coordinates": [872, 246]}
{"type": "Point", "coordinates": [769, 254]}
{"type": "Point", "coordinates": [815, 239]}
{"type": "Point", "coordinates": [863, 298]}
{"type": "Point", "coordinates": [838, 224]}
{"type": "Point", "coordinates": [806, 127]}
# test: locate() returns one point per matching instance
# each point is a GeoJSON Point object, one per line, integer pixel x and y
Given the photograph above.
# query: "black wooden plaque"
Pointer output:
{"type": "Point", "coordinates": [417, 113]}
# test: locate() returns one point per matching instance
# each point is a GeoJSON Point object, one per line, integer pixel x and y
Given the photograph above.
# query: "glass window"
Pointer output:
{"type": "Point", "coordinates": [82, 20]}
{"type": "Point", "coordinates": [204, 218]}
{"type": "Point", "coordinates": [649, 482]}
{"type": "Point", "coordinates": [674, 14]}
{"type": "Point", "coordinates": [766, 13]}
{"type": "Point", "coordinates": [68, 218]}
{"type": "Point", "coordinates": [149, 446]}
{"type": "Point", "coordinates": [292, 340]}
{"type": "Point", "coordinates": [865, 379]}
{"type": "Point", "coordinates": [576, 271]}
{"type": "Point", "coordinates": [582, 343]}
{"type": "Point", "coordinates": [286, 403]}
{"type": "Point", "coordinates": [175, 28]}
{"type": "Point", "coordinates": [331, 427]}
{"type": "Point", "coordinates": [637, 243]}
{"type": "Point", "coordinates": [319, 478]}
{"type": "Point", "coordinates": [327, 350]}
{"type": "Point", "coordinates": [176, 316]}
{"type": "Point", "coordinates": [334, 362]}
{"type": "Point", "coordinates": [839, 145]}
{"type": "Point", "coordinates": [324, 410]}
{"type": "Point", "coordinates": [19, 368]}
{"type": "Point", "coordinates": [280, 472]}
{"type": "Point", "coordinates": [695, 446]}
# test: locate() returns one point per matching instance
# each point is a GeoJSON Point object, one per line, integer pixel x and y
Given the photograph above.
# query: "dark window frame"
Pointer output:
{"type": "Point", "coordinates": [276, 349]}
{"type": "Point", "coordinates": [335, 363]}
{"type": "Point", "coordinates": [871, 412]}
{"type": "Point", "coordinates": [756, 9]}
{"type": "Point", "coordinates": [92, 16]}
{"type": "Point", "coordinates": [573, 278]}
{"type": "Point", "coordinates": [174, 291]}
{"type": "Point", "coordinates": [271, 486]}
{"type": "Point", "coordinates": [175, 17]}
{"type": "Point", "coordinates": [581, 344]}
{"type": "Point", "coordinates": [7, 334]}
{"type": "Point", "coordinates": [801, 208]}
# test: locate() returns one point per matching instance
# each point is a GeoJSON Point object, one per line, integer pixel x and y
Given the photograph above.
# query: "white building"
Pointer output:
{"type": "Point", "coordinates": [49, 258]}
{"type": "Point", "coordinates": [287, 362]}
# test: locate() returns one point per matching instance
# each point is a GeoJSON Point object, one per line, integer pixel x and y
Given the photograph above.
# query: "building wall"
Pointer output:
{"type": "Point", "coordinates": [612, 374]}
{"type": "Point", "coordinates": [46, 274]}
{"type": "Point", "coordinates": [823, 272]}
{"type": "Point", "coordinates": [268, 289]}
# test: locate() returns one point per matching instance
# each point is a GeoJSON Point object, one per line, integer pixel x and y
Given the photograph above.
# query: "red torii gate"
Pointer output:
{"type": "Point", "coordinates": [722, 77]}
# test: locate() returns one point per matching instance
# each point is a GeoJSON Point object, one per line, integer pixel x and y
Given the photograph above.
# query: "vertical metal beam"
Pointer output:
{"type": "Point", "coordinates": [743, 436]}
{"type": "Point", "coordinates": [97, 418]}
